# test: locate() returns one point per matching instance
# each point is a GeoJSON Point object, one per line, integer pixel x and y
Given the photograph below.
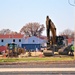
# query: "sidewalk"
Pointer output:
{"type": "Point", "coordinates": [37, 69]}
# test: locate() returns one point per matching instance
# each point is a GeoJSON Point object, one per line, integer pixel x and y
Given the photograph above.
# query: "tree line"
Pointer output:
{"type": "Point", "coordinates": [35, 29]}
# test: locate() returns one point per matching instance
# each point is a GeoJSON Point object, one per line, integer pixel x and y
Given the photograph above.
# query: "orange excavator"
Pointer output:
{"type": "Point", "coordinates": [54, 42]}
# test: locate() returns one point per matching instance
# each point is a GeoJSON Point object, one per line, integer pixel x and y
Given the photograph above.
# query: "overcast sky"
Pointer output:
{"type": "Point", "coordinates": [14, 14]}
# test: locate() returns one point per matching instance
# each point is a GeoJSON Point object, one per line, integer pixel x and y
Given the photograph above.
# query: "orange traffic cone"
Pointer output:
{"type": "Point", "coordinates": [41, 55]}
{"type": "Point", "coordinates": [4, 55]}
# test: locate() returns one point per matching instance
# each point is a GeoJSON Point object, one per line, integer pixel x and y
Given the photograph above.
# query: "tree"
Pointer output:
{"type": "Point", "coordinates": [68, 33]}
{"type": "Point", "coordinates": [7, 31]}
{"type": "Point", "coordinates": [32, 29]}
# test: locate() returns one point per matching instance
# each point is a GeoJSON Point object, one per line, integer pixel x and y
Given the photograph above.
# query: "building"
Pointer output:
{"type": "Point", "coordinates": [30, 43]}
{"type": "Point", "coordinates": [33, 43]}
{"type": "Point", "coordinates": [2, 49]}
{"type": "Point", "coordinates": [70, 41]}
{"type": "Point", "coordinates": [9, 38]}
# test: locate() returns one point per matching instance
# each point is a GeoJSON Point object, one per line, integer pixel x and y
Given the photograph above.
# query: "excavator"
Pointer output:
{"type": "Point", "coordinates": [50, 41]}
{"type": "Point", "coordinates": [54, 43]}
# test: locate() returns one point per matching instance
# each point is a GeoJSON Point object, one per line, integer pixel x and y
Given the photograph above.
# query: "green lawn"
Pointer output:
{"type": "Point", "coordinates": [36, 59]}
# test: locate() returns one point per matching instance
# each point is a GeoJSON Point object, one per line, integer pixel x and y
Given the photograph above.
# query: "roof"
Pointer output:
{"type": "Point", "coordinates": [11, 36]}
{"type": "Point", "coordinates": [43, 37]}
{"type": "Point", "coordinates": [40, 37]}
{"type": "Point", "coordinates": [34, 40]}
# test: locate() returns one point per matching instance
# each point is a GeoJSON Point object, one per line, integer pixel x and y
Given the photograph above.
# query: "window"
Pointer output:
{"type": "Point", "coordinates": [19, 40]}
{"type": "Point", "coordinates": [13, 40]}
{"type": "Point", "coordinates": [33, 40]}
{"type": "Point", "coordinates": [2, 40]}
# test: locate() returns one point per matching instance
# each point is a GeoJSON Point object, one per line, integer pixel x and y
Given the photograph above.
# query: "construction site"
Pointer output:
{"type": "Point", "coordinates": [55, 45]}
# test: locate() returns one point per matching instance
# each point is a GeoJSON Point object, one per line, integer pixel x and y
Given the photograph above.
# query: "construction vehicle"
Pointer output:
{"type": "Point", "coordinates": [54, 43]}
{"type": "Point", "coordinates": [14, 50]}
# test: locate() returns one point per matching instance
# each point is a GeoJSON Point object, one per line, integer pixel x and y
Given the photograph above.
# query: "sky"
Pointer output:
{"type": "Point", "coordinates": [14, 14]}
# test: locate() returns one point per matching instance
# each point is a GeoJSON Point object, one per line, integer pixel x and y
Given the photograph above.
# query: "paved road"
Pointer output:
{"type": "Point", "coordinates": [46, 65]}
{"type": "Point", "coordinates": [38, 73]}
{"type": "Point", "coordinates": [68, 65]}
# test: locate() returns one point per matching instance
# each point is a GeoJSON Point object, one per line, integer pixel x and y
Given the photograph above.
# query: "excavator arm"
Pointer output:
{"type": "Point", "coordinates": [53, 30]}
{"type": "Point", "coordinates": [53, 38]}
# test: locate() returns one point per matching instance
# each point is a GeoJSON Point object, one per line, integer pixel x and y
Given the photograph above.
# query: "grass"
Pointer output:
{"type": "Point", "coordinates": [36, 59]}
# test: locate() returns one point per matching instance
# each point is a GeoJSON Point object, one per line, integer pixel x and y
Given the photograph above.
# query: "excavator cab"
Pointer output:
{"type": "Point", "coordinates": [59, 40]}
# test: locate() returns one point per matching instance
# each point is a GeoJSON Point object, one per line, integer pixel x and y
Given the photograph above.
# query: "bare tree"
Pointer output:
{"type": "Point", "coordinates": [72, 35]}
{"type": "Point", "coordinates": [68, 33]}
{"type": "Point", "coordinates": [32, 29]}
{"type": "Point", "coordinates": [7, 31]}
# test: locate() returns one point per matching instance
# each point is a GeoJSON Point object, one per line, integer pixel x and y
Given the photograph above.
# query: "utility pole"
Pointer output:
{"type": "Point", "coordinates": [72, 3]}
{"type": "Point", "coordinates": [74, 45]}
{"type": "Point", "coordinates": [74, 34]}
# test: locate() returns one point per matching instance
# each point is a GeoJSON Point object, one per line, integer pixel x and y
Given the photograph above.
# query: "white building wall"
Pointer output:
{"type": "Point", "coordinates": [33, 40]}
{"type": "Point", "coordinates": [10, 40]}
{"type": "Point", "coordinates": [30, 40]}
